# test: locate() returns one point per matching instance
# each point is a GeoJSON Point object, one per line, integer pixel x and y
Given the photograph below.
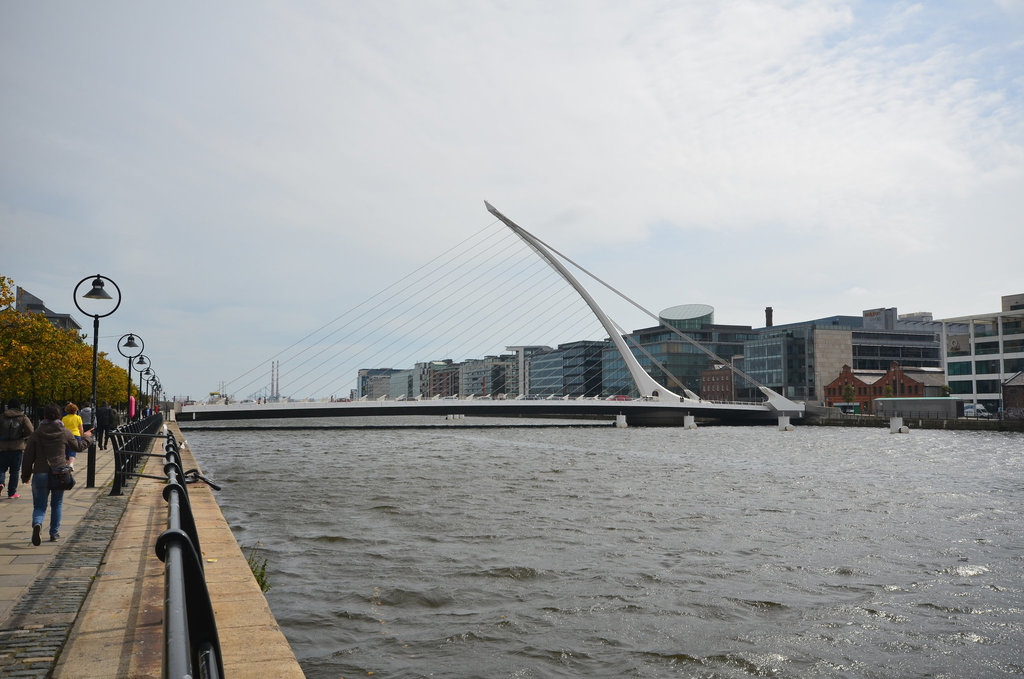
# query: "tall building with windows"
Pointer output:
{"type": "Point", "coordinates": [573, 369]}
{"type": "Point", "coordinates": [799, 359]}
{"type": "Point", "coordinates": [681, 359]}
{"type": "Point", "coordinates": [981, 352]}
{"type": "Point", "coordinates": [488, 376]}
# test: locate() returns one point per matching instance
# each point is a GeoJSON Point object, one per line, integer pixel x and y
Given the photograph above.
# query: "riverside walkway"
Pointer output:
{"type": "Point", "coordinates": [91, 605]}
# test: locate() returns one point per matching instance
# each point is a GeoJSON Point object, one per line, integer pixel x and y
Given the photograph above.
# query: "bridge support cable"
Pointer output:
{"type": "Point", "coordinates": [397, 289]}
{"type": "Point", "coordinates": [646, 385]}
{"type": "Point", "coordinates": [426, 298]}
{"type": "Point", "coordinates": [503, 290]}
{"type": "Point", "coordinates": [473, 301]}
{"type": "Point", "coordinates": [551, 255]}
{"type": "Point", "coordinates": [413, 295]}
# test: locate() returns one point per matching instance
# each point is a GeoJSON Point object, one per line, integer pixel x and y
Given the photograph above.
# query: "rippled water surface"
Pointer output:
{"type": "Point", "coordinates": [602, 552]}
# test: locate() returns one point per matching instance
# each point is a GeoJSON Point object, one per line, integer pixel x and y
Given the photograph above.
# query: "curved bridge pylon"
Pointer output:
{"type": "Point", "coordinates": [647, 386]}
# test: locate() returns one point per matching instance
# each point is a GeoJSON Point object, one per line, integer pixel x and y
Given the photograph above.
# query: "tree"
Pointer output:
{"type": "Point", "coordinates": [41, 363]}
{"type": "Point", "coordinates": [849, 393]}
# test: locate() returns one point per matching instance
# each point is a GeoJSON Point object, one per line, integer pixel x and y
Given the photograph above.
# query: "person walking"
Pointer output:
{"type": "Point", "coordinates": [88, 423]}
{"type": "Point", "coordinates": [73, 423]}
{"type": "Point", "coordinates": [46, 448]}
{"type": "Point", "coordinates": [15, 428]}
{"type": "Point", "coordinates": [104, 425]}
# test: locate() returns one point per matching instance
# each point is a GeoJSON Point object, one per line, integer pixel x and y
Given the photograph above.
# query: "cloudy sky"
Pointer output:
{"type": "Point", "coordinates": [246, 170]}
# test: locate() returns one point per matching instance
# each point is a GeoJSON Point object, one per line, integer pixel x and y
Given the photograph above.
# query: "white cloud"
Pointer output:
{"type": "Point", "coordinates": [260, 167]}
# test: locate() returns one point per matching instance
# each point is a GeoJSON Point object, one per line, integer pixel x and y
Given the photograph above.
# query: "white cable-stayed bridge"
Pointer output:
{"type": "Point", "coordinates": [499, 289]}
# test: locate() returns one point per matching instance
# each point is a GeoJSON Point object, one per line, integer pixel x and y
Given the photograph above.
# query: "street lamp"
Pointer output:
{"type": "Point", "coordinates": [152, 382]}
{"type": "Point", "coordinates": [96, 293]}
{"type": "Point", "coordinates": [130, 342]}
{"type": "Point", "coordinates": [149, 375]}
{"type": "Point", "coordinates": [141, 364]}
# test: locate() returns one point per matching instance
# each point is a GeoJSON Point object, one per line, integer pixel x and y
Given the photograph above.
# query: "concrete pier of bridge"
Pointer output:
{"type": "Point", "coordinates": [91, 605]}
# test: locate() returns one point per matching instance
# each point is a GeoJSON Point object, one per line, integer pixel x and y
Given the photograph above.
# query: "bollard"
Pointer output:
{"type": "Point", "coordinates": [896, 426]}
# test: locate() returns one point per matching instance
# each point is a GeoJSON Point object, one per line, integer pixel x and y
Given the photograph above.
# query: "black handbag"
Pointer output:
{"type": "Point", "coordinates": [61, 478]}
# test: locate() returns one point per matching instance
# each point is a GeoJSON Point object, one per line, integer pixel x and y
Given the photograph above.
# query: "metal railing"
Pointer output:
{"type": "Point", "coordinates": [132, 440]}
{"type": "Point", "coordinates": [191, 643]}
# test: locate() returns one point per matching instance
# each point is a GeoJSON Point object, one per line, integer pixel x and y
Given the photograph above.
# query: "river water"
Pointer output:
{"type": "Point", "coordinates": [658, 552]}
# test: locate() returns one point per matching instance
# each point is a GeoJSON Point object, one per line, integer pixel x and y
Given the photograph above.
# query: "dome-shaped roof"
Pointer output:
{"type": "Point", "coordinates": [686, 312]}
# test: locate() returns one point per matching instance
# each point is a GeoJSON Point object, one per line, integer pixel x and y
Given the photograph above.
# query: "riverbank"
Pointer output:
{"type": "Point", "coordinates": [92, 605]}
{"type": "Point", "coordinates": [958, 424]}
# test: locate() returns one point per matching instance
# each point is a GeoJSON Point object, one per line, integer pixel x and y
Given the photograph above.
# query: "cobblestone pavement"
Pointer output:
{"type": "Point", "coordinates": [32, 637]}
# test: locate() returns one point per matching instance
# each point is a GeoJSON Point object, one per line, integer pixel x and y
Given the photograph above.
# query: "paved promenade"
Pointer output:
{"type": "Point", "coordinates": [91, 605]}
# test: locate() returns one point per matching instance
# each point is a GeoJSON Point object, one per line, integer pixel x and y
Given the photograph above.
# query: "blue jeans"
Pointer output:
{"type": "Point", "coordinates": [40, 490]}
{"type": "Point", "coordinates": [73, 453]}
{"type": "Point", "coordinates": [10, 460]}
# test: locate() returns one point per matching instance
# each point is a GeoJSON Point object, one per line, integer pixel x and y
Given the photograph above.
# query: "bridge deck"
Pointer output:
{"type": "Point", "coordinates": [637, 412]}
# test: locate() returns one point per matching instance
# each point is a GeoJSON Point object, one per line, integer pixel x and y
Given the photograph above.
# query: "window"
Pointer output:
{"type": "Point", "coordinates": [983, 348]}
{"type": "Point", "coordinates": [988, 386]}
{"type": "Point", "coordinates": [961, 387]}
{"type": "Point", "coordinates": [990, 367]}
{"type": "Point", "coordinates": [959, 368]}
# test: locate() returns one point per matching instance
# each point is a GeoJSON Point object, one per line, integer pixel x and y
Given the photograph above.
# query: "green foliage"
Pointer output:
{"type": "Point", "coordinates": [42, 363]}
{"type": "Point", "coordinates": [258, 567]}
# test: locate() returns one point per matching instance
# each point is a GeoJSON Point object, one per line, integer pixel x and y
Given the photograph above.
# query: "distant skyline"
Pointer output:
{"type": "Point", "coordinates": [246, 171]}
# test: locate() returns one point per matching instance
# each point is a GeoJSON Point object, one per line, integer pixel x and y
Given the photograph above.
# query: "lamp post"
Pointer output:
{"type": "Point", "coordinates": [141, 364]}
{"type": "Point", "coordinates": [152, 381]}
{"type": "Point", "coordinates": [95, 293]}
{"type": "Point", "coordinates": [130, 341]}
{"type": "Point", "coordinates": [149, 375]}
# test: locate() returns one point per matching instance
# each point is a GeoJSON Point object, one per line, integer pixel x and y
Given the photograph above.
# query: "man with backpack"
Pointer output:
{"type": "Point", "coordinates": [15, 428]}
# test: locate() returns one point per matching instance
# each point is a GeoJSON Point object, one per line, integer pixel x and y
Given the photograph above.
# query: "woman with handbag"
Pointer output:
{"type": "Point", "coordinates": [46, 452]}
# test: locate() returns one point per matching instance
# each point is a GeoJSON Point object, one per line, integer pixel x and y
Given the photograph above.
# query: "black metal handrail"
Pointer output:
{"type": "Point", "coordinates": [131, 441]}
{"type": "Point", "coordinates": [191, 643]}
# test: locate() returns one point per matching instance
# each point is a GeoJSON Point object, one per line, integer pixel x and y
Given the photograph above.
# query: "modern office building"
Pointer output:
{"type": "Point", "coordinates": [662, 350]}
{"type": "Point", "coordinates": [799, 359]}
{"type": "Point", "coordinates": [983, 351]}
{"type": "Point", "coordinates": [406, 384]}
{"type": "Point", "coordinates": [522, 353]}
{"type": "Point", "coordinates": [573, 369]}
{"type": "Point", "coordinates": [441, 378]}
{"type": "Point", "coordinates": [374, 383]}
{"type": "Point", "coordinates": [488, 376]}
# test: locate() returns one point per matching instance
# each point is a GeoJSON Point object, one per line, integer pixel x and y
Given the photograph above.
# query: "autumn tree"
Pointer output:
{"type": "Point", "coordinates": [41, 363]}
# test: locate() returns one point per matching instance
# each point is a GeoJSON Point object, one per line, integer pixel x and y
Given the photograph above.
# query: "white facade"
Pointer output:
{"type": "Point", "coordinates": [978, 359]}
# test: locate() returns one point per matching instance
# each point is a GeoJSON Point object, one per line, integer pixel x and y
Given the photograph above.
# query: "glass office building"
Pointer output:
{"type": "Point", "coordinates": [659, 349]}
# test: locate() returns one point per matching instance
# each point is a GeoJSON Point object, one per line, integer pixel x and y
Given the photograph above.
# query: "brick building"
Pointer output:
{"type": "Point", "coordinates": [897, 382]}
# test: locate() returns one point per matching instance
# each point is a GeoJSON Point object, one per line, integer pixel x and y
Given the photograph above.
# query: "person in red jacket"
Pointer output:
{"type": "Point", "coordinates": [47, 447]}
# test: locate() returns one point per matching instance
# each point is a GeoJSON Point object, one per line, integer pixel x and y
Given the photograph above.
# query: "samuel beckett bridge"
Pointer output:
{"type": "Point", "coordinates": [344, 346]}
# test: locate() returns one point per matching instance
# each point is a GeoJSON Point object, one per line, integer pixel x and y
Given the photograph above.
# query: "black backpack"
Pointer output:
{"type": "Point", "coordinates": [10, 429]}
